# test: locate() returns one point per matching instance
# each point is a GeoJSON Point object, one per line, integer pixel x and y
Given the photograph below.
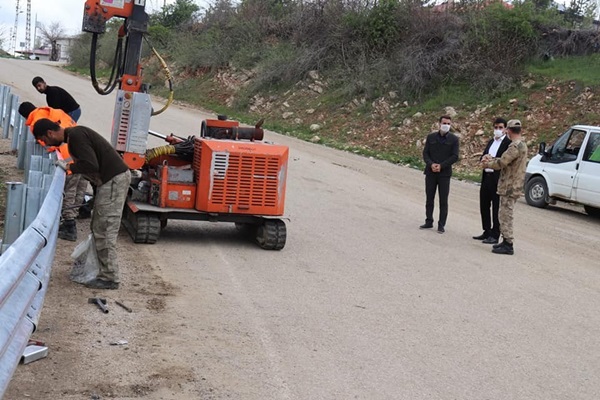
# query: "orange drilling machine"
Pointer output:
{"type": "Point", "coordinates": [226, 174]}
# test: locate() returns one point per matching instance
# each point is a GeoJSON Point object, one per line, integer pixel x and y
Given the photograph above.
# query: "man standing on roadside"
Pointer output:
{"type": "Point", "coordinates": [489, 186]}
{"type": "Point", "coordinates": [57, 97]}
{"type": "Point", "coordinates": [440, 152]}
{"type": "Point", "coordinates": [75, 185]}
{"type": "Point", "coordinates": [512, 165]}
{"type": "Point", "coordinates": [100, 163]}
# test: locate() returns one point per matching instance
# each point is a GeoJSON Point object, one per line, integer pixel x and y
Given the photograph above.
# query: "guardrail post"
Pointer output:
{"type": "Point", "coordinates": [35, 164]}
{"type": "Point", "coordinates": [33, 198]}
{"type": "Point", "coordinates": [29, 147]}
{"type": "Point", "coordinates": [48, 165]}
{"type": "Point", "coordinates": [20, 129]}
{"type": "Point", "coordinates": [4, 97]}
{"type": "Point", "coordinates": [13, 221]}
{"type": "Point", "coordinates": [4, 90]}
{"type": "Point", "coordinates": [22, 152]}
{"type": "Point", "coordinates": [7, 115]}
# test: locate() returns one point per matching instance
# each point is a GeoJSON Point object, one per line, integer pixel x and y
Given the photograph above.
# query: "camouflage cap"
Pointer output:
{"type": "Point", "coordinates": [513, 123]}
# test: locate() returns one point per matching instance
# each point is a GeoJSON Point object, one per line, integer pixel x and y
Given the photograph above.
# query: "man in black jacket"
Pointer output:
{"type": "Point", "coordinates": [99, 162]}
{"type": "Point", "coordinates": [440, 152]}
{"type": "Point", "coordinates": [57, 97]}
{"type": "Point", "coordinates": [488, 196]}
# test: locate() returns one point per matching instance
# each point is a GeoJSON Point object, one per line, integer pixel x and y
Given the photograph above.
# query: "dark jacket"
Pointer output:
{"type": "Point", "coordinates": [501, 149]}
{"type": "Point", "coordinates": [57, 97]}
{"type": "Point", "coordinates": [440, 151]}
{"type": "Point", "coordinates": [93, 156]}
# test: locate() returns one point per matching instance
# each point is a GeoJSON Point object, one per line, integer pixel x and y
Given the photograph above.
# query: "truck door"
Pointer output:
{"type": "Point", "coordinates": [562, 162]}
{"type": "Point", "coordinates": [586, 188]}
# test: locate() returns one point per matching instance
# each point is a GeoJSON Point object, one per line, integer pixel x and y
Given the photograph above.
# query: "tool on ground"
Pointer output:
{"type": "Point", "coordinates": [100, 302]}
{"type": "Point", "coordinates": [123, 305]}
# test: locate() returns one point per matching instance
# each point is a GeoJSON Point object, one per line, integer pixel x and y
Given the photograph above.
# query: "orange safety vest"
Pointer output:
{"type": "Point", "coordinates": [61, 118]}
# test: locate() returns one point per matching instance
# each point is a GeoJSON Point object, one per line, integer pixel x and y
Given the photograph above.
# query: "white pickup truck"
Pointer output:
{"type": "Point", "coordinates": [569, 170]}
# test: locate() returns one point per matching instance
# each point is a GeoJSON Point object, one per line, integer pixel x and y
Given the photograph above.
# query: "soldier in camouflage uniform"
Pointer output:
{"type": "Point", "coordinates": [512, 165]}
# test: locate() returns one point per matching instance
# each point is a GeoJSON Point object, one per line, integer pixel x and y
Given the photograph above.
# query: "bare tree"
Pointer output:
{"type": "Point", "coordinates": [2, 36]}
{"type": "Point", "coordinates": [51, 35]}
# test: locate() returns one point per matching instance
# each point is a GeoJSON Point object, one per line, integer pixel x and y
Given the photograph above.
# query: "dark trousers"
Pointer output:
{"type": "Point", "coordinates": [488, 198]}
{"type": "Point", "coordinates": [435, 182]}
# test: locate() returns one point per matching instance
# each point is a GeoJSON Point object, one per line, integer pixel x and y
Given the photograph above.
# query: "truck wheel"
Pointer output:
{"type": "Point", "coordinates": [536, 192]}
{"type": "Point", "coordinates": [592, 211]}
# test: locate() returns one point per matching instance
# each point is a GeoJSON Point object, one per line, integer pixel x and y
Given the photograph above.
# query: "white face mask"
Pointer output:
{"type": "Point", "coordinates": [498, 133]}
{"type": "Point", "coordinates": [444, 128]}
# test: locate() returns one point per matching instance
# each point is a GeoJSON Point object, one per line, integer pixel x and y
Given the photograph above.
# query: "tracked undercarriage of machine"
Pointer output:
{"type": "Point", "coordinates": [228, 174]}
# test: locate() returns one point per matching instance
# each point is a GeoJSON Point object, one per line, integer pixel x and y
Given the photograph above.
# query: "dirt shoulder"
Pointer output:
{"type": "Point", "coordinates": [82, 363]}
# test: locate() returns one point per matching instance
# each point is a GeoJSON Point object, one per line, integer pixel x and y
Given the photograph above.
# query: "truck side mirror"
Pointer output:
{"type": "Point", "coordinates": [542, 150]}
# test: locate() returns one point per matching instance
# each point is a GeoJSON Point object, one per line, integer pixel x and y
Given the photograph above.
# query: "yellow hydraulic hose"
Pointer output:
{"type": "Point", "coordinates": [159, 151]}
{"type": "Point", "coordinates": [169, 79]}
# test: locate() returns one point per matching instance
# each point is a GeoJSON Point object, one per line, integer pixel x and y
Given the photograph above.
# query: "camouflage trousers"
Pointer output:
{"type": "Point", "coordinates": [74, 191]}
{"type": "Point", "coordinates": [106, 220]}
{"type": "Point", "coordinates": [505, 216]}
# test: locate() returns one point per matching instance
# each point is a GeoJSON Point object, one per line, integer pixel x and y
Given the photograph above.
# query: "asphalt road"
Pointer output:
{"type": "Point", "coordinates": [361, 304]}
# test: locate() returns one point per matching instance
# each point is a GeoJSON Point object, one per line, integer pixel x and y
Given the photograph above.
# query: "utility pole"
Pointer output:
{"type": "Point", "coordinates": [28, 28]}
{"type": "Point", "coordinates": [13, 38]}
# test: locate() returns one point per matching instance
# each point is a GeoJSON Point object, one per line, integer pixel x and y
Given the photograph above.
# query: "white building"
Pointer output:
{"type": "Point", "coordinates": [44, 53]}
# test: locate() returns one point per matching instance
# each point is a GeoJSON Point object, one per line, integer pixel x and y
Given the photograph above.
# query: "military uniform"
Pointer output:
{"type": "Point", "coordinates": [512, 167]}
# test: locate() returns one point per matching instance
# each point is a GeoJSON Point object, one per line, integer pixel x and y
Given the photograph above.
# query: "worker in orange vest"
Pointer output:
{"type": "Point", "coordinates": [75, 184]}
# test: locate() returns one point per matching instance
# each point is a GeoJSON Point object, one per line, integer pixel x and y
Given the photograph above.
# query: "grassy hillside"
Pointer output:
{"type": "Point", "coordinates": [553, 95]}
{"type": "Point", "coordinates": [373, 77]}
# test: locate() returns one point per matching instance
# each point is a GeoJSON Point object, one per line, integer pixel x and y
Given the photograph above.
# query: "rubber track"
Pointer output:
{"type": "Point", "coordinates": [272, 235]}
{"type": "Point", "coordinates": [143, 227]}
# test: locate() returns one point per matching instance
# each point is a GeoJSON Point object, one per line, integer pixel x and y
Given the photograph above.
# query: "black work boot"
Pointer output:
{"type": "Point", "coordinates": [499, 244]}
{"type": "Point", "coordinates": [68, 230]}
{"type": "Point", "coordinates": [506, 248]}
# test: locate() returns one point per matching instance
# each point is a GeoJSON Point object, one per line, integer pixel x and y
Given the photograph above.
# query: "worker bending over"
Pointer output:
{"type": "Point", "coordinates": [99, 162]}
{"type": "Point", "coordinates": [75, 185]}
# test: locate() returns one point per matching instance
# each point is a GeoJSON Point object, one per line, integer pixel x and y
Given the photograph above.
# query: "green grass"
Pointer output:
{"type": "Point", "coordinates": [452, 95]}
{"type": "Point", "coordinates": [583, 69]}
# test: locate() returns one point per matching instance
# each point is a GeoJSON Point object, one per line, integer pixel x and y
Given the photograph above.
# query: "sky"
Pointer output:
{"type": "Point", "coordinates": [68, 12]}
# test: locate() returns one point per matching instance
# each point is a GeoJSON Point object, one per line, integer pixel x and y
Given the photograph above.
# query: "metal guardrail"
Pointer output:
{"type": "Point", "coordinates": [26, 262]}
